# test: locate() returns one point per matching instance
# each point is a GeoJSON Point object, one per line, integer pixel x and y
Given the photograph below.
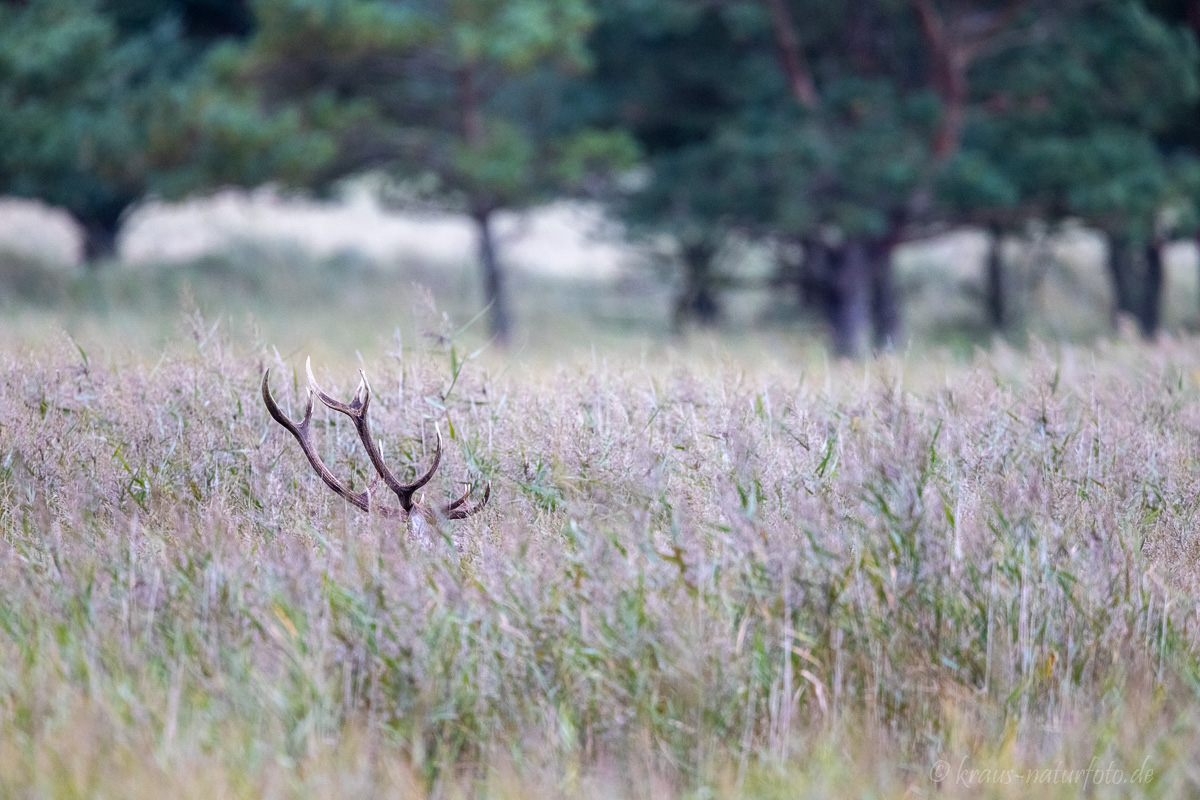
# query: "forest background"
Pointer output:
{"type": "Point", "coordinates": [755, 164]}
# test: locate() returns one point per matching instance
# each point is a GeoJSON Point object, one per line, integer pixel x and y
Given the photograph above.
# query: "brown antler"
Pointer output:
{"type": "Point", "coordinates": [357, 411]}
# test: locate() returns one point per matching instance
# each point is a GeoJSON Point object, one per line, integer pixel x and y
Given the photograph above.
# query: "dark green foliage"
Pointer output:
{"type": "Point", "coordinates": [70, 86]}
{"type": "Point", "coordinates": [1079, 126]}
{"type": "Point", "coordinates": [886, 120]}
{"type": "Point", "coordinates": [1066, 126]}
{"type": "Point", "coordinates": [108, 102]}
{"type": "Point", "coordinates": [731, 147]}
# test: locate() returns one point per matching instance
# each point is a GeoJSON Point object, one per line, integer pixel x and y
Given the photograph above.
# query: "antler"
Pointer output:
{"type": "Point", "coordinates": [356, 409]}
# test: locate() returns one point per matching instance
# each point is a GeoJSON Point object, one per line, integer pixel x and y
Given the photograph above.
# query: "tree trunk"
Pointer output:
{"type": "Point", "coordinates": [99, 239]}
{"type": "Point", "coordinates": [1150, 316]}
{"type": "Point", "coordinates": [697, 298]}
{"type": "Point", "coordinates": [948, 75]}
{"type": "Point", "coordinates": [1120, 272]}
{"type": "Point", "coordinates": [493, 278]}
{"type": "Point", "coordinates": [816, 291]}
{"type": "Point", "coordinates": [790, 263]}
{"type": "Point", "coordinates": [885, 302]}
{"type": "Point", "coordinates": [994, 298]}
{"type": "Point", "coordinates": [791, 55]}
{"type": "Point", "coordinates": [851, 310]}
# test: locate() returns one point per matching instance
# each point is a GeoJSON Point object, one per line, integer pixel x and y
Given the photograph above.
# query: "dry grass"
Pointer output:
{"type": "Point", "coordinates": [697, 578]}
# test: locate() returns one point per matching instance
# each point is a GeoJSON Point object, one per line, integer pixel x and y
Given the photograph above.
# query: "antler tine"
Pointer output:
{"type": "Point", "coordinates": [357, 411]}
{"type": "Point", "coordinates": [452, 510]}
{"type": "Point", "coordinates": [448, 507]}
{"type": "Point", "coordinates": [361, 500]}
{"type": "Point", "coordinates": [437, 460]}
{"type": "Point", "coordinates": [357, 407]}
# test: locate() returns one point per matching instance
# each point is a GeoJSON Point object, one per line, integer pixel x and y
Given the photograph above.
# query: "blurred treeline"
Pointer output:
{"type": "Point", "coordinates": [827, 133]}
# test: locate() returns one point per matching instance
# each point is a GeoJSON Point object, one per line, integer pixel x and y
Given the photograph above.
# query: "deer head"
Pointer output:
{"type": "Point", "coordinates": [412, 508]}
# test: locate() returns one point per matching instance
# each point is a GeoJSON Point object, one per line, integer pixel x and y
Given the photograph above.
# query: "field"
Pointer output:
{"type": "Point", "coordinates": [717, 568]}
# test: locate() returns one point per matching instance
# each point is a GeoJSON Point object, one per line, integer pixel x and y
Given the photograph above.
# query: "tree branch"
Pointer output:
{"type": "Point", "coordinates": [949, 77]}
{"type": "Point", "coordinates": [952, 50]}
{"type": "Point", "coordinates": [972, 44]}
{"type": "Point", "coordinates": [931, 24]}
{"type": "Point", "coordinates": [791, 56]}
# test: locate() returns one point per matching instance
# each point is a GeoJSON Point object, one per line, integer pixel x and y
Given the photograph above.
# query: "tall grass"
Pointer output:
{"type": "Point", "coordinates": [695, 579]}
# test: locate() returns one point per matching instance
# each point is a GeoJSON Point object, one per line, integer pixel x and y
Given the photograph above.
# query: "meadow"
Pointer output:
{"type": "Point", "coordinates": [729, 568]}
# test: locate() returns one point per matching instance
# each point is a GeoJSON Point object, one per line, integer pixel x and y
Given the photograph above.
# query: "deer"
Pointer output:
{"type": "Point", "coordinates": [419, 517]}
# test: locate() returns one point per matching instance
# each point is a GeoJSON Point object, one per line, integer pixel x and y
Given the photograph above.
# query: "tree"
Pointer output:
{"type": "Point", "coordinates": [458, 103]}
{"type": "Point", "coordinates": [1069, 127]}
{"type": "Point", "coordinates": [102, 100]}
{"type": "Point", "coordinates": [876, 122]}
{"type": "Point", "coordinates": [671, 74]}
{"type": "Point", "coordinates": [742, 134]}
{"type": "Point", "coordinates": [1180, 139]}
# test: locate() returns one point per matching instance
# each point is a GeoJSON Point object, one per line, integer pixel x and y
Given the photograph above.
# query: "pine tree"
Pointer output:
{"type": "Point", "coordinates": [458, 104]}
{"type": "Point", "coordinates": [106, 102]}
